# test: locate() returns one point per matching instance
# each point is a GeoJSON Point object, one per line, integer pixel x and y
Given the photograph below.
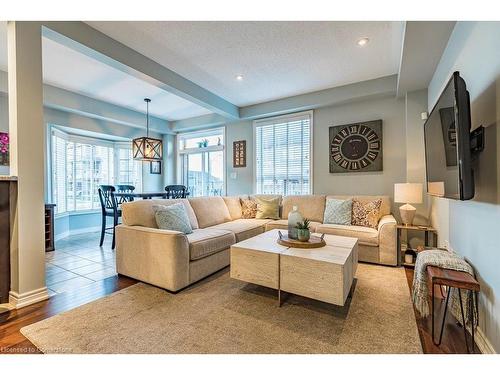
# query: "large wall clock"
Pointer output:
{"type": "Point", "coordinates": [356, 147]}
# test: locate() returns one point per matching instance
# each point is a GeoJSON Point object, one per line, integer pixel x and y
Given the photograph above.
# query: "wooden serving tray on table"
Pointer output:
{"type": "Point", "coordinates": [314, 242]}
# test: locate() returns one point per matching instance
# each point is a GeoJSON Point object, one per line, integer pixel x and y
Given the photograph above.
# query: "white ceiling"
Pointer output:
{"type": "Point", "coordinates": [71, 70]}
{"type": "Point", "coordinates": [277, 59]}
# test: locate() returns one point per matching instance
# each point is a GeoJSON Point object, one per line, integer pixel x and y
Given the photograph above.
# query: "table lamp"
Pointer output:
{"type": "Point", "coordinates": [407, 193]}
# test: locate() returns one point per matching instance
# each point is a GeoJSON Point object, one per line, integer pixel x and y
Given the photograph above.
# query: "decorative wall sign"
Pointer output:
{"type": "Point", "coordinates": [239, 154]}
{"type": "Point", "coordinates": [356, 147]}
{"type": "Point", "coordinates": [155, 167]}
{"type": "Point", "coordinates": [4, 148]}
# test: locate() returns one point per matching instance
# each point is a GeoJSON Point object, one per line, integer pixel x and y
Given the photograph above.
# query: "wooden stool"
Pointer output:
{"type": "Point", "coordinates": [459, 280]}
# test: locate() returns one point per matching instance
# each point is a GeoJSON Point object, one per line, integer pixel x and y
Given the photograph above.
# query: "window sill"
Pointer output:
{"type": "Point", "coordinates": [77, 213]}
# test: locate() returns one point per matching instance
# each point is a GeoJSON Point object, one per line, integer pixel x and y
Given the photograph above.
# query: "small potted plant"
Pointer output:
{"type": "Point", "coordinates": [303, 233]}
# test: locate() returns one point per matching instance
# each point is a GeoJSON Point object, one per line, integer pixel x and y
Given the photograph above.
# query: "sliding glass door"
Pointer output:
{"type": "Point", "coordinates": [204, 173]}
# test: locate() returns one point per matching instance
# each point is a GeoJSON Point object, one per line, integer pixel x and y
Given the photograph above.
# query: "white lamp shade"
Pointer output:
{"type": "Point", "coordinates": [408, 193]}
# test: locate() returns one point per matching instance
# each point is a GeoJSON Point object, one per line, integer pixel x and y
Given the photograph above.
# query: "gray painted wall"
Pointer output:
{"type": "Point", "coordinates": [416, 103]}
{"type": "Point", "coordinates": [243, 182]}
{"type": "Point", "coordinates": [472, 228]}
{"type": "Point", "coordinates": [390, 110]}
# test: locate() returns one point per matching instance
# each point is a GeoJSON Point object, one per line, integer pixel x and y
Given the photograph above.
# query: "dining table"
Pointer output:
{"type": "Point", "coordinates": [150, 195]}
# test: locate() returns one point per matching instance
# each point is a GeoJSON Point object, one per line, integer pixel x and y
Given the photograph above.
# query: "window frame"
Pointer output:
{"type": "Point", "coordinates": [89, 140]}
{"type": "Point", "coordinates": [288, 117]}
{"type": "Point", "coordinates": [182, 153]}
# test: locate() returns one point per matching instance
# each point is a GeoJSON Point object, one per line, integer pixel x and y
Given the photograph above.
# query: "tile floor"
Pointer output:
{"type": "Point", "coordinates": [77, 261]}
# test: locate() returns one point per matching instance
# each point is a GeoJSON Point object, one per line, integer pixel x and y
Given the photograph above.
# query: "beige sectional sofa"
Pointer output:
{"type": "Point", "coordinates": [173, 260]}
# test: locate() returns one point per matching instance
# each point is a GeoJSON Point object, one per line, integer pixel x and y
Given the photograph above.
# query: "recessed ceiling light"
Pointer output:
{"type": "Point", "coordinates": [363, 42]}
{"type": "Point", "coordinates": [239, 77]}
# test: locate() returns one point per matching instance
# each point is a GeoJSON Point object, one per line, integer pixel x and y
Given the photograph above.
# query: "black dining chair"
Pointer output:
{"type": "Point", "coordinates": [109, 208]}
{"type": "Point", "coordinates": [125, 189]}
{"type": "Point", "coordinates": [175, 191]}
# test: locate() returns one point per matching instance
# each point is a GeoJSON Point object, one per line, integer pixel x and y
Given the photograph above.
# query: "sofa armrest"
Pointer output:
{"type": "Point", "coordinates": [387, 240]}
{"type": "Point", "coordinates": [156, 256]}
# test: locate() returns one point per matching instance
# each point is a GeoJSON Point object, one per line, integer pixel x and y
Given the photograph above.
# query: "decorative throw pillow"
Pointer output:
{"type": "Point", "coordinates": [268, 208]}
{"type": "Point", "coordinates": [173, 217]}
{"type": "Point", "coordinates": [366, 214]}
{"type": "Point", "coordinates": [248, 208]}
{"type": "Point", "coordinates": [338, 211]}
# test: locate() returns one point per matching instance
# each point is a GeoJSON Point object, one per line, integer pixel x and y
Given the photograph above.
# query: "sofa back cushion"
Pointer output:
{"type": "Point", "coordinates": [366, 214]}
{"type": "Point", "coordinates": [210, 211]}
{"type": "Point", "coordinates": [385, 208]}
{"type": "Point", "coordinates": [266, 196]}
{"type": "Point", "coordinates": [268, 208]}
{"type": "Point", "coordinates": [234, 206]}
{"type": "Point", "coordinates": [338, 211]}
{"type": "Point", "coordinates": [173, 217]}
{"type": "Point", "coordinates": [248, 208]}
{"type": "Point", "coordinates": [141, 212]}
{"type": "Point", "coordinates": [311, 207]}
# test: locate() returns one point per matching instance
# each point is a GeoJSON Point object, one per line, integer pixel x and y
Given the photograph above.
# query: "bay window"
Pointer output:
{"type": "Point", "coordinates": [80, 164]}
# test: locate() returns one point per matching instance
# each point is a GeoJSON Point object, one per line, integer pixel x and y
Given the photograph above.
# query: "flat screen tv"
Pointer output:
{"type": "Point", "coordinates": [448, 152]}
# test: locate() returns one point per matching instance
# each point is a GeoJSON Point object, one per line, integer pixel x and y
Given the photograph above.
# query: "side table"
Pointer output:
{"type": "Point", "coordinates": [427, 230]}
{"type": "Point", "coordinates": [461, 281]}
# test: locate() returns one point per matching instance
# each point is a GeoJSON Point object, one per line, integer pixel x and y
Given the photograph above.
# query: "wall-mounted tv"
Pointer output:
{"type": "Point", "coordinates": [449, 144]}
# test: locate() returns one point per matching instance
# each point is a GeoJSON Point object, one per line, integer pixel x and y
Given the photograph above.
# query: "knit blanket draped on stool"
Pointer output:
{"type": "Point", "coordinates": [442, 259]}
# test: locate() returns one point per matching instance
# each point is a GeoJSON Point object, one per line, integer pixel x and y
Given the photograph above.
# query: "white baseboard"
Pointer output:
{"type": "Point", "coordinates": [17, 300]}
{"type": "Point", "coordinates": [68, 233]}
{"type": "Point", "coordinates": [483, 343]}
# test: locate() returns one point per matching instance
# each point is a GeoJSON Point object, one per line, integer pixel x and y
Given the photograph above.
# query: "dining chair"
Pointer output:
{"type": "Point", "coordinates": [175, 191]}
{"type": "Point", "coordinates": [109, 208]}
{"type": "Point", "coordinates": [125, 189]}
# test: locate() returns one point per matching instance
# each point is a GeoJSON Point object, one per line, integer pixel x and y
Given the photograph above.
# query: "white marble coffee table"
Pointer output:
{"type": "Point", "coordinates": [325, 274]}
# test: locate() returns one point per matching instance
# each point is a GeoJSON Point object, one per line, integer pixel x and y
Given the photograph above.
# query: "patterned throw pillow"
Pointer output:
{"type": "Point", "coordinates": [248, 208]}
{"type": "Point", "coordinates": [173, 217]}
{"type": "Point", "coordinates": [366, 214]}
{"type": "Point", "coordinates": [268, 208]}
{"type": "Point", "coordinates": [338, 211]}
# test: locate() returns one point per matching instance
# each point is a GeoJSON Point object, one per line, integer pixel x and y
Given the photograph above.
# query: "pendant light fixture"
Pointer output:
{"type": "Point", "coordinates": [146, 148]}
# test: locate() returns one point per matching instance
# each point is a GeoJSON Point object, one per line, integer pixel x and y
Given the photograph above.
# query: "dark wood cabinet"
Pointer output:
{"type": "Point", "coordinates": [7, 186]}
{"type": "Point", "coordinates": [49, 227]}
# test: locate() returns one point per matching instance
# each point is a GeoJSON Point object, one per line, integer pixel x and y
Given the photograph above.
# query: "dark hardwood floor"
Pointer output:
{"type": "Point", "coordinates": [453, 335]}
{"type": "Point", "coordinates": [13, 342]}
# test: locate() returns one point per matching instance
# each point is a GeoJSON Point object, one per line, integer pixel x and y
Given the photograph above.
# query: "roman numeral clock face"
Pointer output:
{"type": "Point", "coordinates": [356, 147]}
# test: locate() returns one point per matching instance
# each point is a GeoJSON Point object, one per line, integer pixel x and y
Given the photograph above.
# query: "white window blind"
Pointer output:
{"type": "Point", "coordinates": [129, 170]}
{"type": "Point", "coordinates": [282, 155]}
{"type": "Point", "coordinates": [80, 164]}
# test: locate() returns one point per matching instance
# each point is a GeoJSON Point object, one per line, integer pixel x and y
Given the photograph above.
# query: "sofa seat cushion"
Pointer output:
{"type": "Point", "coordinates": [366, 236]}
{"type": "Point", "coordinates": [283, 224]}
{"type": "Point", "coordinates": [244, 228]}
{"type": "Point", "coordinates": [205, 242]}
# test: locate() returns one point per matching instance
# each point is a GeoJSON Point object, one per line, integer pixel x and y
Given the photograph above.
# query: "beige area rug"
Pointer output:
{"type": "Point", "coordinates": [222, 315]}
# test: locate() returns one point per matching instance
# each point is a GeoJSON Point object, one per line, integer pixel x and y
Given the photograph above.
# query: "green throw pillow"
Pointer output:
{"type": "Point", "coordinates": [173, 217]}
{"type": "Point", "coordinates": [338, 211]}
{"type": "Point", "coordinates": [268, 208]}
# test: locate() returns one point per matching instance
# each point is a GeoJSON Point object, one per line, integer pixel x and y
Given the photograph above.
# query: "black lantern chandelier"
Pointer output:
{"type": "Point", "coordinates": [146, 148]}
